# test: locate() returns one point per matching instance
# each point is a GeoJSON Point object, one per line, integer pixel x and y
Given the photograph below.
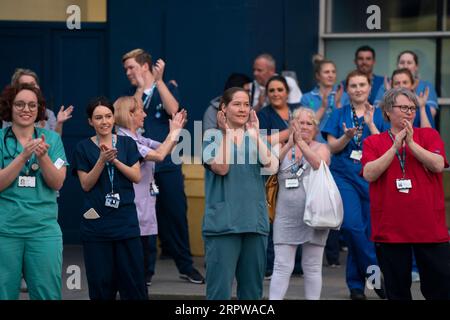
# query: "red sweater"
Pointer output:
{"type": "Point", "coordinates": [414, 217]}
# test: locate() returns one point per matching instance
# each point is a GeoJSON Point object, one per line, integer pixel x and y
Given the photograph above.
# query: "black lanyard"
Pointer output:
{"type": "Point", "coordinates": [401, 159]}
{"type": "Point", "coordinates": [357, 137]}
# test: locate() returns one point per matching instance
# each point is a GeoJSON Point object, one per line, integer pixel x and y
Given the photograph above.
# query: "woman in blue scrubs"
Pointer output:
{"type": "Point", "coordinates": [327, 95]}
{"type": "Point", "coordinates": [107, 166]}
{"type": "Point", "coordinates": [345, 131]}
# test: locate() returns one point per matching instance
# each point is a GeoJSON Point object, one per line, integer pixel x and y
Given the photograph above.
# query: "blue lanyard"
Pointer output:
{"type": "Point", "coordinates": [109, 166]}
{"type": "Point", "coordinates": [401, 159]}
{"type": "Point", "coordinates": [149, 96]}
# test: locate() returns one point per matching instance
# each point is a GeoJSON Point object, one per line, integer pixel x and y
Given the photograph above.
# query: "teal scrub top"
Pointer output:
{"type": "Point", "coordinates": [235, 202]}
{"type": "Point", "coordinates": [29, 212]}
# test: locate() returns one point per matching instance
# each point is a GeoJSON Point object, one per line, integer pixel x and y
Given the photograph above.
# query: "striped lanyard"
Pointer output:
{"type": "Point", "coordinates": [360, 127]}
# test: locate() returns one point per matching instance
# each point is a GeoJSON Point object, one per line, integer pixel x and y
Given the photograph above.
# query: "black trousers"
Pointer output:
{"type": "Point", "coordinates": [433, 262]}
{"type": "Point", "coordinates": [171, 212]}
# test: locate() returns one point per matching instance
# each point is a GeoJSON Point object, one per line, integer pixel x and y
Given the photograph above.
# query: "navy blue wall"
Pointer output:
{"type": "Point", "coordinates": [202, 42]}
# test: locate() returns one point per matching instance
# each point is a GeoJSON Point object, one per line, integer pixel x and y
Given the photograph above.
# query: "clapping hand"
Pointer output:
{"type": "Point", "coordinates": [368, 113]}
{"type": "Point", "coordinates": [64, 115]}
{"type": "Point", "coordinates": [423, 98]}
{"type": "Point", "coordinates": [42, 148]}
{"type": "Point", "coordinates": [177, 122]}
{"type": "Point", "coordinates": [349, 132]}
{"type": "Point", "coordinates": [30, 147]}
{"type": "Point", "coordinates": [222, 121]}
{"type": "Point", "coordinates": [158, 69]}
{"type": "Point", "coordinates": [107, 154]}
{"type": "Point", "coordinates": [252, 124]}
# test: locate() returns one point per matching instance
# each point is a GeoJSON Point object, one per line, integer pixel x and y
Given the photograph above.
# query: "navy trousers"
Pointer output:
{"type": "Point", "coordinates": [171, 212]}
{"type": "Point", "coordinates": [115, 266]}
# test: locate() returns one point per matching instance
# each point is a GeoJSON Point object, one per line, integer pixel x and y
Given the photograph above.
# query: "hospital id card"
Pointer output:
{"type": "Point", "coordinates": [26, 182]}
{"type": "Point", "coordinates": [403, 185]}
{"type": "Point", "coordinates": [292, 183]}
{"type": "Point", "coordinates": [356, 155]}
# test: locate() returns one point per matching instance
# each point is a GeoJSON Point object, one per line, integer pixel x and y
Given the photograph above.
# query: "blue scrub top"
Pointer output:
{"type": "Point", "coordinates": [341, 163]}
{"type": "Point", "coordinates": [377, 83]}
{"type": "Point", "coordinates": [423, 84]}
{"type": "Point", "coordinates": [313, 100]}
{"type": "Point", "coordinates": [113, 224]}
{"type": "Point", "coordinates": [270, 120]}
{"type": "Point", "coordinates": [156, 124]}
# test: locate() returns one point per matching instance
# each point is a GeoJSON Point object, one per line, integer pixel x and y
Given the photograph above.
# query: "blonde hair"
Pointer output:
{"type": "Point", "coordinates": [123, 107]}
{"type": "Point", "coordinates": [140, 55]}
{"type": "Point", "coordinates": [309, 111]}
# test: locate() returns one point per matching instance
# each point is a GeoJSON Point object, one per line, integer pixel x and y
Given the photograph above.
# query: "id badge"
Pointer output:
{"type": "Point", "coordinates": [112, 200]}
{"type": "Point", "coordinates": [154, 190]}
{"type": "Point", "coordinates": [26, 182]}
{"type": "Point", "coordinates": [403, 185]}
{"type": "Point", "coordinates": [356, 155]}
{"type": "Point", "coordinates": [291, 183]}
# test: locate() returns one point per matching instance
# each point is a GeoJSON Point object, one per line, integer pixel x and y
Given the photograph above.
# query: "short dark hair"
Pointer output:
{"type": "Point", "coordinates": [10, 93]}
{"type": "Point", "coordinates": [356, 73]}
{"type": "Point", "coordinates": [236, 80]}
{"type": "Point", "coordinates": [277, 78]}
{"type": "Point", "coordinates": [98, 101]}
{"type": "Point", "coordinates": [365, 48]}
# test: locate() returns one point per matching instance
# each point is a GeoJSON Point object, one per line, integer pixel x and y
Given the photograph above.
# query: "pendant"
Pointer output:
{"type": "Point", "coordinates": [35, 167]}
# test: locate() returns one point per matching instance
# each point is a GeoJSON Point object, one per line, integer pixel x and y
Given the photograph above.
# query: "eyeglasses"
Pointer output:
{"type": "Point", "coordinates": [405, 108]}
{"type": "Point", "coordinates": [20, 105]}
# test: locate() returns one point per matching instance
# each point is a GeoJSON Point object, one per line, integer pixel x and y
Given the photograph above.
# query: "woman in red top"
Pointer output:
{"type": "Point", "coordinates": [404, 167]}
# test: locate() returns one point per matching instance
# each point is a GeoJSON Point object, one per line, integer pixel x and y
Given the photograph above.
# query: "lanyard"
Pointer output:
{"type": "Point", "coordinates": [401, 159]}
{"type": "Point", "coordinates": [360, 127]}
{"type": "Point", "coordinates": [109, 166]}
{"type": "Point", "coordinates": [149, 96]}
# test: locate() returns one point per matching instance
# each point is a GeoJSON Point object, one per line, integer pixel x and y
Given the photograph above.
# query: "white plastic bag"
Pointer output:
{"type": "Point", "coordinates": [324, 209]}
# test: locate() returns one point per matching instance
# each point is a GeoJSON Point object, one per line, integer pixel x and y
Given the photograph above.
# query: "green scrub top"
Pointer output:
{"type": "Point", "coordinates": [234, 203]}
{"type": "Point", "coordinates": [28, 212]}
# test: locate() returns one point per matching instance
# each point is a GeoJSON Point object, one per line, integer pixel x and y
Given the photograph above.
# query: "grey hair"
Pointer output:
{"type": "Point", "coordinates": [309, 111]}
{"type": "Point", "coordinates": [23, 72]}
{"type": "Point", "coordinates": [390, 97]}
{"type": "Point", "coordinates": [269, 58]}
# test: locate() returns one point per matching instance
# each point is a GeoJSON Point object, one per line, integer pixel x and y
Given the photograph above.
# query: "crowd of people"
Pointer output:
{"type": "Point", "coordinates": [376, 134]}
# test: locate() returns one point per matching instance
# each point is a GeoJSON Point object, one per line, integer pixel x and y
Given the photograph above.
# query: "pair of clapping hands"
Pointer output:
{"type": "Point", "coordinates": [37, 146]}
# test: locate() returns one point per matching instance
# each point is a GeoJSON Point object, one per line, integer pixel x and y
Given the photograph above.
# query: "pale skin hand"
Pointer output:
{"type": "Point", "coordinates": [222, 121]}
{"type": "Point", "coordinates": [64, 115]}
{"type": "Point", "coordinates": [177, 123]}
{"type": "Point", "coordinates": [158, 70]}
{"type": "Point", "coordinates": [387, 83]}
{"type": "Point", "coordinates": [252, 125]}
{"type": "Point", "coordinates": [368, 118]}
{"type": "Point", "coordinates": [349, 132]}
{"type": "Point", "coordinates": [53, 177]}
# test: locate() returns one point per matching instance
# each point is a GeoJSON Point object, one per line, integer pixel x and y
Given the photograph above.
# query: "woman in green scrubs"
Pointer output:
{"type": "Point", "coordinates": [32, 168]}
{"type": "Point", "coordinates": [236, 225]}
